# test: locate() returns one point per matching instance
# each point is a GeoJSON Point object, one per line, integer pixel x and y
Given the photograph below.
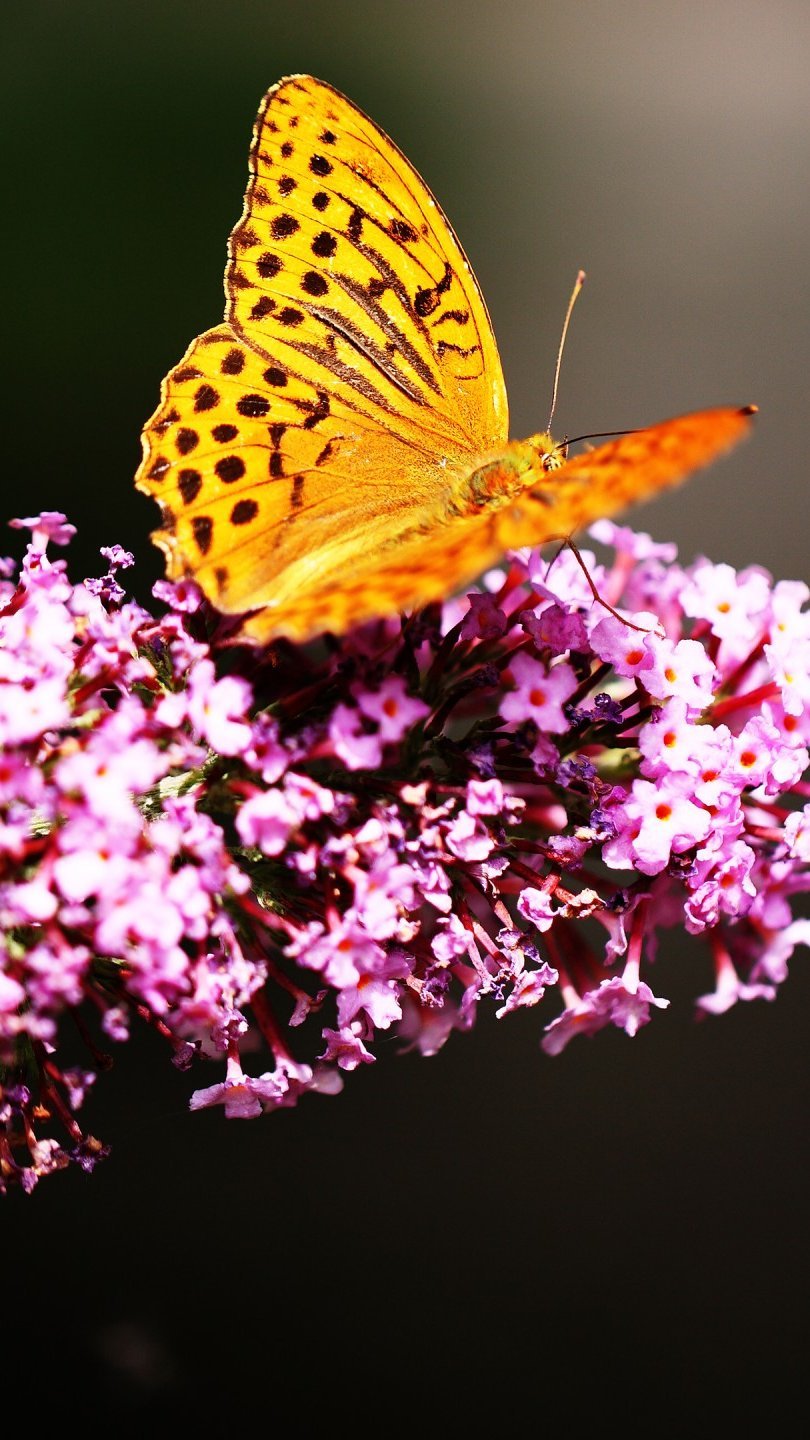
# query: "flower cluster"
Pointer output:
{"type": "Point", "coordinates": [270, 858]}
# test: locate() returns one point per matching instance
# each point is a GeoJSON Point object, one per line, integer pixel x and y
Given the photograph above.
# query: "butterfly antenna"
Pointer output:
{"type": "Point", "coordinates": [578, 284]}
{"type": "Point", "coordinates": [600, 435]}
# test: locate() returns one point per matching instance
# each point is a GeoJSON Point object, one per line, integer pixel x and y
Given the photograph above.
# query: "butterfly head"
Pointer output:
{"type": "Point", "coordinates": [549, 454]}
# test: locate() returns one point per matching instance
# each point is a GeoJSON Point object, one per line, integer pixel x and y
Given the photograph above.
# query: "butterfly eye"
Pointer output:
{"type": "Point", "coordinates": [556, 458]}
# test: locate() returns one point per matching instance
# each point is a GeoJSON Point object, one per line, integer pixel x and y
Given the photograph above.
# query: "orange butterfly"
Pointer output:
{"type": "Point", "coordinates": [338, 449]}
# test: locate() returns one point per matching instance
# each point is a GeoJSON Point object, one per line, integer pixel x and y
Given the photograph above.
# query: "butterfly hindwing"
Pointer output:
{"type": "Point", "coordinates": [270, 488]}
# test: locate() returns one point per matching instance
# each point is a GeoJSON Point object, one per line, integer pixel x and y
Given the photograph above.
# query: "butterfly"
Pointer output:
{"type": "Point", "coordinates": [338, 449]}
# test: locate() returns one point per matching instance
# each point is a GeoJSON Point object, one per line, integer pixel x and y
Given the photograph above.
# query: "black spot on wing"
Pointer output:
{"type": "Point", "coordinates": [426, 300]}
{"type": "Point", "coordinates": [186, 440]}
{"type": "Point", "coordinates": [243, 512]}
{"type": "Point", "coordinates": [230, 469]}
{"type": "Point", "coordinates": [268, 265]}
{"type": "Point", "coordinates": [284, 225]}
{"type": "Point", "coordinates": [202, 528]}
{"type": "Point", "coordinates": [189, 483]}
{"type": "Point", "coordinates": [206, 398]}
{"type": "Point", "coordinates": [233, 363]}
{"type": "Point", "coordinates": [253, 407]}
{"type": "Point", "coordinates": [324, 245]}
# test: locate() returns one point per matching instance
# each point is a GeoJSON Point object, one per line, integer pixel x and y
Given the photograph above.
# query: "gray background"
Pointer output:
{"type": "Point", "coordinates": [626, 1223]}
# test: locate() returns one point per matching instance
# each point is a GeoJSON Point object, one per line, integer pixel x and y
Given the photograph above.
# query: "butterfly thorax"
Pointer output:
{"type": "Point", "coordinates": [503, 477]}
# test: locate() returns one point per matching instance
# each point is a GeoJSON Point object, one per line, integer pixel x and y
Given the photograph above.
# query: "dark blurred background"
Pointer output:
{"type": "Point", "coordinates": [618, 1232]}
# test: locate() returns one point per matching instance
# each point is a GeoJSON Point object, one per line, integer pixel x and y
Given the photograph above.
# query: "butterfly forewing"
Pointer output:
{"type": "Point", "coordinates": [344, 266]}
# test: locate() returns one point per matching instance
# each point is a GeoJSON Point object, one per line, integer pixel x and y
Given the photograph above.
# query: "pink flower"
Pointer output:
{"type": "Point", "coordinates": [216, 709]}
{"type": "Point", "coordinates": [29, 901]}
{"type": "Point", "coordinates": [622, 647]}
{"type": "Point", "coordinates": [529, 989]}
{"type": "Point", "coordinates": [730, 989]}
{"type": "Point", "coordinates": [735, 603]}
{"type": "Point", "coordinates": [539, 693]}
{"type": "Point", "coordinates": [468, 838]}
{"type": "Point", "coordinates": [265, 754]}
{"type": "Point", "coordinates": [357, 748]}
{"type": "Point", "coordinates": [242, 1096]}
{"type": "Point", "coordinates": [485, 797]}
{"type": "Point", "coordinates": [536, 905]}
{"type": "Point", "coordinates": [613, 1003]}
{"type": "Point", "coordinates": [725, 886]}
{"type": "Point", "coordinates": [656, 821]}
{"type": "Point", "coordinates": [377, 995]}
{"type": "Point", "coordinates": [267, 819]}
{"type": "Point", "coordinates": [680, 669]}
{"type": "Point", "coordinates": [777, 948]}
{"type": "Point", "coordinates": [450, 939]}
{"type": "Point", "coordinates": [797, 833]}
{"type": "Point", "coordinates": [484, 620]}
{"type": "Point", "coordinates": [342, 954]}
{"type": "Point", "coordinates": [12, 994]}
{"type": "Point", "coordinates": [49, 525]}
{"type": "Point", "coordinates": [382, 894]}
{"type": "Point", "coordinates": [555, 628]}
{"type": "Point", "coordinates": [345, 1047]}
{"type": "Point", "coordinates": [392, 708]}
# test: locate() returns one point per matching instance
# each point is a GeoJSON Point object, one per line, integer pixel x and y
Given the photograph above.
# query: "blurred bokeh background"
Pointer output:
{"type": "Point", "coordinates": [490, 1229]}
